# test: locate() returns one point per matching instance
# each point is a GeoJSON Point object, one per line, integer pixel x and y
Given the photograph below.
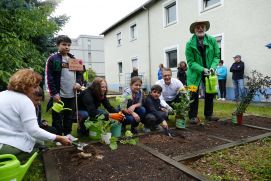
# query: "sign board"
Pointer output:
{"type": "Point", "coordinates": [75, 65]}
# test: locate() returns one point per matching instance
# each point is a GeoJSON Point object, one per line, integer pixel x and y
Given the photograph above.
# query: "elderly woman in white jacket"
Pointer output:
{"type": "Point", "coordinates": [19, 130]}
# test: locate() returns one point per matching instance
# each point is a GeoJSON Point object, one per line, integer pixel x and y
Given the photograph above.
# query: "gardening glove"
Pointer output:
{"type": "Point", "coordinates": [169, 108]}
{"type": "Point", "coordinates": [116, 116]}
{"type": "Point", "coordinates": [206, 71]}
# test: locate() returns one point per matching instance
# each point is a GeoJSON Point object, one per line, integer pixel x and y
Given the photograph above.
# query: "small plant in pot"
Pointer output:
{"type": "Point", "coordinates": [99, 129]}
{"type": "Point", "coordinates": [257, 84]}
{"type": "Point", "coordinates": [181, 107]}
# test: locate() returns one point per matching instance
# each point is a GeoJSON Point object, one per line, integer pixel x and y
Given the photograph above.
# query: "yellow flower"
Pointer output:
{"type": "Point", "coordinates": [193, 88]}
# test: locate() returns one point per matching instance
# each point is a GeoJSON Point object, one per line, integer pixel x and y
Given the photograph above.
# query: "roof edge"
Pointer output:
{"type": "Point", "coordinates": [130, 15]}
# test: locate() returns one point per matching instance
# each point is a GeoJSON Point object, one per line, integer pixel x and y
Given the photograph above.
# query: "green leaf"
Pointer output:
{"type": "Point", "coordinates": [113, 145]}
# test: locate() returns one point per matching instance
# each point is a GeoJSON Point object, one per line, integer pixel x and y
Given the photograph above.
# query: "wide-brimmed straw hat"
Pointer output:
{"type": "Point", "coordinates": [192, 26]}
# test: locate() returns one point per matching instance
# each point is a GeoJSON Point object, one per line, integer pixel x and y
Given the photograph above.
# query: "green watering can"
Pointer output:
{"type": "Point", "coordinates": [10, 168]}
{"type": "Point", "coordinates": [59, 106]}
{"type": "Point", "coordinates": [211, 83]}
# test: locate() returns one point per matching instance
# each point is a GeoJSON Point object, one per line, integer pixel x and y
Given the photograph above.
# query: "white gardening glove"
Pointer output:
{"type": "Point", "coordinates": [206, 71]}
{"type": "Point", "coordinates": [169, 108]}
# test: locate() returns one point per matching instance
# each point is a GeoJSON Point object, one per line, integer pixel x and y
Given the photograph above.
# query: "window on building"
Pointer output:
{"type": "Point", "coordinates": [119, 39]}
{"type": "Point", "coordinates": [170, 13]}
{"type": "Point", "coordinates": [171, 57]}
{"type": "Point", "coordinates": [207, 4]}
{"type": "Point", "coordinates": [219, 42]}
{"type": "Point", "coordinates": [133, 32]}
{"type": "Point", "coordinates": [89, 57]}
{"type": "Point", "coordinates": [134, 63]}
{"type": "Point", "coordinates": [120, 67]}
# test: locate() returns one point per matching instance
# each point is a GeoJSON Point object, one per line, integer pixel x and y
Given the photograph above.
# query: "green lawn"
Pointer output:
{"type": "Point", "coordinates": [221, 109]}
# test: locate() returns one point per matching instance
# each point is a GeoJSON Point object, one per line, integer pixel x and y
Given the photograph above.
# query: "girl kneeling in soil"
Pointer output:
{"type": "Point", "coordinates": [90, 100]}
{"type": "Point", "coordinates": [134, 111]}
{"type": "Point", "coordinates": [19, 129]}
{"type": "Point", "coordinates": [156, 114]}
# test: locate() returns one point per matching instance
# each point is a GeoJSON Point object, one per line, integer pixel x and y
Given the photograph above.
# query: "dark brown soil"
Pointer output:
{"type": "Point", "coordinates": [125, 163]}
{"type": "Point", "coordinates": [258, 121]}
{"type": "Point", "coordinates": [182, 143]}
{"type": "Point", "coordinates": [227, 130]}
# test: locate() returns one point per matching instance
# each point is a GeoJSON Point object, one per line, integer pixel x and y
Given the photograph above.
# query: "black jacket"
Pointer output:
{"type": "Point", "coordinates": [237, 70]}
{"type": "Point", "coordinates": [181, 75]}
{"type": "Point", "coordinates": [53, 73]}
{"type": "Point", "coordinates": [89, 102]}
{"type": "Point", "coordinates": [153, 106]}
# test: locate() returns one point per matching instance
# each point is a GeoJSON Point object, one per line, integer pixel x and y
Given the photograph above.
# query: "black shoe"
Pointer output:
{"type": "Point", "coordinates": [211, 118]}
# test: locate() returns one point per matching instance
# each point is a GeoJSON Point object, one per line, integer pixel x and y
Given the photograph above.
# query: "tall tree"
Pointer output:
{"type": "Point", "coordinates": [26, 33]}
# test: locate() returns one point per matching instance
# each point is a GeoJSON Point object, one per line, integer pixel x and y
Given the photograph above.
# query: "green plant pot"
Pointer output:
{"type": "Point", "coordinates": [116, 130]}
{"type": "Point", "coordinates": [180, 123]}
{"type": "Point", "coordinates": [234, 119]}
{"type": "Point", "coordinates": [94, 133]}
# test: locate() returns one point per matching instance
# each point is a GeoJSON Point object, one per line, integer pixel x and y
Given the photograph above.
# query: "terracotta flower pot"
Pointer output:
{"type": "Point", "coordinates": [239, 119]}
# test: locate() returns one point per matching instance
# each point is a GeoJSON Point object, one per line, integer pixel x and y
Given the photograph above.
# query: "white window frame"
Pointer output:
{"type": "Point", "coordinates": [202, 9]}
{"type": "Point", "coordinates": [165, 16]}
{"type": "Point", "coordinates": [119, 38]}
{"type": "Point", "coordinates": [168, 49]}
{"type": "Point", "coordinates": [135, 32]}
{"type": "Point", "coordinates": [222, 44]}
{"type": "Point", "coordinates": [132, 59]}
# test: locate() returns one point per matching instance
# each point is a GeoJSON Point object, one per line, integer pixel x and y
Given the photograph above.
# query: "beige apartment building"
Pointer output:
{"type": "Point", "coordinates": [157, 32]}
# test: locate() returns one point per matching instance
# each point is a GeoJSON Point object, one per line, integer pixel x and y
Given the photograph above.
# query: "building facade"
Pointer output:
{"type": "Point", "coordinates": [91, 50]}
{"type": "Point", "coordinates": [157, 33]}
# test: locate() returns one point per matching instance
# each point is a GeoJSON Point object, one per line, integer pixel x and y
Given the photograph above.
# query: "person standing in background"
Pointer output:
{"type": "Point", "coordinates": [221, 72]}
{"type": "Point", "coordinates": [135, 72]}
{"type": "Point", "coordinates": [160, 71]}
{"type": "Point", "coordinates": [181, 74]}
{"type": "Point", "coordinates": [237, 70]}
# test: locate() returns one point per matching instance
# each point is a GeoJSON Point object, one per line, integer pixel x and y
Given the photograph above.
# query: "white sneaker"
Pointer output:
{"type": "Point", "coordinates": [223, 99]}
{"type": "Point", "coordinates": [219, 99]}
{"type": "Point", "coordinates": [72, 138]}
{"type": "Point", "coordinates": [58, 144]}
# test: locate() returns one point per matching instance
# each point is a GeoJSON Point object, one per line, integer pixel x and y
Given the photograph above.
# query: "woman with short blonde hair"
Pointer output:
{"type": "Point", "coordinates": [19, 129]}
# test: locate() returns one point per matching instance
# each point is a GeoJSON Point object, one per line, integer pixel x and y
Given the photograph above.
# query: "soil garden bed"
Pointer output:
{"type": "Point", "coordinates": [125, 163]}
{"type": "Point", "coordinates": [258, 121]}
{"type": "Point", "coordinates": [228, 130]}
{"type": "Point", "coordinates": [183, 142]}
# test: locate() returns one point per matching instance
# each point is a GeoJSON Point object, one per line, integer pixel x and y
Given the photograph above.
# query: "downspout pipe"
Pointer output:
{"type": "Point", "coordinates": [149, 46]}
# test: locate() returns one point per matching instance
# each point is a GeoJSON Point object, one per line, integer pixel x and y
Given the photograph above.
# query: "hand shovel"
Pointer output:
{"type": "Point", "coordinates": [80, 146]}
{"type": "Point", "coordinates": [168, 133]}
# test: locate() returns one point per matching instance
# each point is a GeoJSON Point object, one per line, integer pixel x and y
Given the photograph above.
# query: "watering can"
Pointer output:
{"type": "Point", "coordinates": [59, 106]}
{"type": "Point", "coordinates": [11, 169]}
{"type": "Point", "coordinates": [211, 83]}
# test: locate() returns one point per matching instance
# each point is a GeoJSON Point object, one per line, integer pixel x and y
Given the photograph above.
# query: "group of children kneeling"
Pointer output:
{"type": "Point", "coordinates": [139, 109]}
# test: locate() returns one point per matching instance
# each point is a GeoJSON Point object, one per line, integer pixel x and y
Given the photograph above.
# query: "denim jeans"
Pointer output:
{"type": "Point", "coordinates": [238, 86]}
{"type": "Point", "coordinates": [141, 111]}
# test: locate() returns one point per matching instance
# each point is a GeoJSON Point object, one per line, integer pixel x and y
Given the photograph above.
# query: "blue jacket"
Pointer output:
{"type": "Point", "coordinates": [221, 72]}
{"type": "Point", "coordinates": [53, 73]}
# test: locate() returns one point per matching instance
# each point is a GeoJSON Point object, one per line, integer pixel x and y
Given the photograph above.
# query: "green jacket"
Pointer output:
{"type": "Point", "coordinates": [194, 60]}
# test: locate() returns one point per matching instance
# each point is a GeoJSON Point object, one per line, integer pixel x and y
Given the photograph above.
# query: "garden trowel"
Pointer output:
{"type": "Point", "coordinates": [168, 132]}
{"type": "Point", "coordinates": [80, 146]}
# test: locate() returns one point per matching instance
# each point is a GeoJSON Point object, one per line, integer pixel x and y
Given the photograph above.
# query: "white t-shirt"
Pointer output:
{"type": "Point", "coordinates": [170, 91]}
{"type": "Point", "coordinates": [18, 122]}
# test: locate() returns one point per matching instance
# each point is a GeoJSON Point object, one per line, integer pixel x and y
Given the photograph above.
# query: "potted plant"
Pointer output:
{"type": "Point", "coordinates": [99, 129]}
{"type": "Point", "coordinates": [181, 107]}
{"type": "Point", "coordinates": [257, 84]}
